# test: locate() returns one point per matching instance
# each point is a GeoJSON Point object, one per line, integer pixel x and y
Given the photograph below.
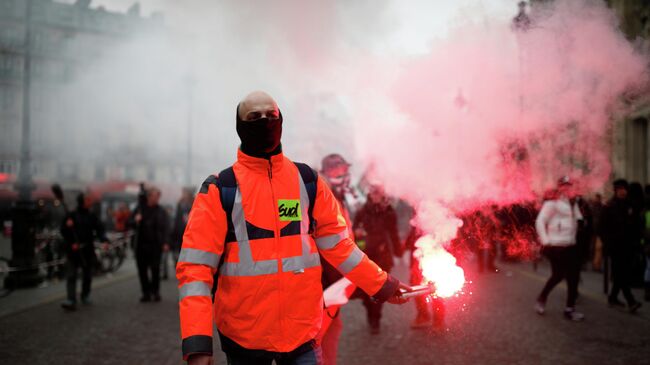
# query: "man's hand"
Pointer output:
{"type": "Point", "coordinates": [69, 223]}
{"type": "Point", "coordinates": [200, 360]}
{"type": "Point", "coordinates": [166, 247]}
{"type": "Point", "coordinates": [397, 297]}
{"type": "Point", "coordinates": [138, 218]}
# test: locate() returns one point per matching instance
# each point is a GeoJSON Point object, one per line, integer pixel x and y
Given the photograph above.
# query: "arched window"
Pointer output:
{"type": "Point", "coordinates": [637, 150]}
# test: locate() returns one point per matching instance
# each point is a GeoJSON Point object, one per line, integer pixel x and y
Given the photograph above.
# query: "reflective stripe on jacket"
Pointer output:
{"type": "Point", "coordinates": [269, 295]}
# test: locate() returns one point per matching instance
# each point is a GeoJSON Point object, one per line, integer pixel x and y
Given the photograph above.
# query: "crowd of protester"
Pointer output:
{"type": "Point", "coordinates": [613, 232]}
{"type": "Point", "coordinates": [156, 231]}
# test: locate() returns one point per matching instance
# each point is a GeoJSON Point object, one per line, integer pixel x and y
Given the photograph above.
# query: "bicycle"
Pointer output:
{"type": "Point", "coordinates": [48, 254]}
{"type": "Point", "coordinates": [110, 258]}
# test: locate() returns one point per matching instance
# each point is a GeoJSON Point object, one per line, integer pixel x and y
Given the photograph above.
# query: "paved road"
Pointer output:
{"type": "Point", "coordinates": [493, 323]}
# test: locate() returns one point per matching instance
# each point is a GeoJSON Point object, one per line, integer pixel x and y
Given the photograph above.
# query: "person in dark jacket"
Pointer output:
{"type": "Point", "coordinates": [585, 230]}
{"type": "Point", "coordinates": [181, 217]}
{"type": "Point", "coordinates": [637, 200]}
{"type": "Point", "coordinates": [80, 229]}
{"type": "Point", "coordinates": [376, 222]}
{"type": "Point", "coordinates": [596, 209]}
{"type": "Point", "coordinates": [618, 231]}
{"type": "Point", "coordinates": [152, 226]}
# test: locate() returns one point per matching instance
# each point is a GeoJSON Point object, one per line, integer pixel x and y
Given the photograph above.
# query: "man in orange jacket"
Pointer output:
{"type": "Point", "coordinates": [250, 260]}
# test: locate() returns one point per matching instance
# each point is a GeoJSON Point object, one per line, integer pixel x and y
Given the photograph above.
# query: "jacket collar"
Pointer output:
{"type": "Point", "coordinates": [258, 164]}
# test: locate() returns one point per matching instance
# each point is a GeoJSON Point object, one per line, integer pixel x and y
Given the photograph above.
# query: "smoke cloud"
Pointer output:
{"type": "Point", "coordinates": [490, 115]}
{"type": "Point", "coordinates": [451, 107]}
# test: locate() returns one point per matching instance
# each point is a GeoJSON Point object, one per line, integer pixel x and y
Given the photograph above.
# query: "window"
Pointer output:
{"type": "Point", "coordinates": [8, 99]}
{"type": "Point", "coordinates": [10, 66]}
{"type": "Point", "coordinates": [11, 37]}
{"type": "Point", "coordinates": [636, 150]}
{"type": "Point", "coordinates": [8, 167]}
{"type": "Point", "coordinates": [7, 7]}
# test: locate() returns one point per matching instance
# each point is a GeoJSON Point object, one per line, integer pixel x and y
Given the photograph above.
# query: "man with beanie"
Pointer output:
{"type": "Point", "coordinates": [618, 225]}
{"type": "Point", "coordinates": [250, 260]}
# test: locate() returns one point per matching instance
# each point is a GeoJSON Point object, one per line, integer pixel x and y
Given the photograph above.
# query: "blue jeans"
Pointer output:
{"type": "Point", "coordinates": [312, 357]}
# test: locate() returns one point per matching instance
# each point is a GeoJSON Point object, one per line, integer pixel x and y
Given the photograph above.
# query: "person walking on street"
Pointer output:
{"type": "Point", "coordinates": [335, 170]}
{"type": "Point", "coordinates": [250, 259]}
{"type": "Point", "coordinates": [152, 225]}
{"type": "Point", "coordinates": [376, 221]}
{"type": "Point", "coordinates": [80, 229]}
{"type": "Point", "coordinates": [557, 227]}
{"type": "Point", "coordinates": [620, 227]}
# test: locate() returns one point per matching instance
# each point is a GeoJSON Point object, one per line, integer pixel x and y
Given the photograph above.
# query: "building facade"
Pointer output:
{"type": "Point", "coordinates": [65, 39]}
{"type": "Point", "coordinates": [631, 135]}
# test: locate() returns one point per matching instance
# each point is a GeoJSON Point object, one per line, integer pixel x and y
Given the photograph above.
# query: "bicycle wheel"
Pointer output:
{"type": "Point", "coordinates": [120, 254]}
{"type": "Point", "coordinates": [104, 262]}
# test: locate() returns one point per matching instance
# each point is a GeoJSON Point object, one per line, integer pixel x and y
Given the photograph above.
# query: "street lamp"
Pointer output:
{"type": "Point", "coordinates": [520, 25]}
{"type": "Point", "coordinates": [24, 211]}
{"type": "Point", "coordinates": [190, 102]}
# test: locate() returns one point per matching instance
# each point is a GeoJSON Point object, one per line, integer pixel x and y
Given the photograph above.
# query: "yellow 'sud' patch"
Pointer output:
{"type": "Point", "coordinates": [289, 210]}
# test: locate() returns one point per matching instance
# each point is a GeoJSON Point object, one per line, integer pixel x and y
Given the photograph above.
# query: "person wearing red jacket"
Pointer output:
{"type": "Point", "coordinates": [262, 239]}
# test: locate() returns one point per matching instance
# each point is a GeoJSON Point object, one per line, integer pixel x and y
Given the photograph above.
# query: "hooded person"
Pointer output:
{"type": "Point", "coordinates": [257, 230]}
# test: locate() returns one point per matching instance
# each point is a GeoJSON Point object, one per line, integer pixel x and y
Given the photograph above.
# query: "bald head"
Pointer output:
{"type": "Point", "coordinates": [256, 105]}
{"type": "Point", "coordinates": [259, 125]}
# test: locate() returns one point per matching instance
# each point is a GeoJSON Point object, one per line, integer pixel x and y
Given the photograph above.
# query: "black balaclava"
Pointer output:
{"type": "Point", "coordinates": [260, 137]}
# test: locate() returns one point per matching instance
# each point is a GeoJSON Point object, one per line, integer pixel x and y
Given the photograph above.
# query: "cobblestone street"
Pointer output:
{"type": "Point", "coordinates": [495, 324]}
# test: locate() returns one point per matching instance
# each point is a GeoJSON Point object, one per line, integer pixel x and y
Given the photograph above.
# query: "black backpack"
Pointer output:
{"type": "Point", "coordinates": [227, 185]}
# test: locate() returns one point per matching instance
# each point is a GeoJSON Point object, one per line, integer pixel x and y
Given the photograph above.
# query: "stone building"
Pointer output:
{"type": "Point", "coordinates": [631, 135]}
{"type": "Point", "coordinates": [65, 39]}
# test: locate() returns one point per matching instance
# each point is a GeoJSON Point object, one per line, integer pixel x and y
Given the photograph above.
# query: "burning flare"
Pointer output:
{"type": "Point", "coordinates": [439, 267]}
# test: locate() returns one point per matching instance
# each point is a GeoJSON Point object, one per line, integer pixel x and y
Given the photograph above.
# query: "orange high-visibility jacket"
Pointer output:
{"type": "Point", "coordinates": [269, 295]}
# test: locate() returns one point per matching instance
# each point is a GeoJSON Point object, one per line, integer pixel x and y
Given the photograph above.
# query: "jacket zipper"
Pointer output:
{"type": "Point", "coordinates": [277, 247]}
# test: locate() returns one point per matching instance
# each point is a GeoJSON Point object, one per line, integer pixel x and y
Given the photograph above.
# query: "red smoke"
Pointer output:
{"type": "Point", "coordinates": [494, 117]}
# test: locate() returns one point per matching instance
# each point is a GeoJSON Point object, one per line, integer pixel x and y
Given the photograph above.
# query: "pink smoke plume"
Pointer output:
{"type": "Point", "coordinates": [494, 115]}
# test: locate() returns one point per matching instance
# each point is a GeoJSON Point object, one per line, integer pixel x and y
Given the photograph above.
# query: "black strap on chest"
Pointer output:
{"type": "Point", "coordinates": [227, 185]}
{"type": "Point", "coordinates": [309, 177]}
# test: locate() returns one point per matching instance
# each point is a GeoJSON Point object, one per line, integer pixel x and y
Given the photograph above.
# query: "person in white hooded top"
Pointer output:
{"type": "Point", "coordinates": [557, 225]}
